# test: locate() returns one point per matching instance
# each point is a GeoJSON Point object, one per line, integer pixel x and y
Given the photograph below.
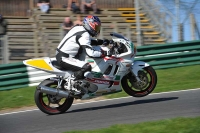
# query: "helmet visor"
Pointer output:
{"type": "Point", "coordinates": [97, 28]}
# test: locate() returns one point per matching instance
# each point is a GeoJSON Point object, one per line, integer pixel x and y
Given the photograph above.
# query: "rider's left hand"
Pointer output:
{"type": "Point", "coordinates": [106, 42]}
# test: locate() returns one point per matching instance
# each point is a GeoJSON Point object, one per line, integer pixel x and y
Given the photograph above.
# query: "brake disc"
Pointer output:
{"type": "Point", "coordinates": [140, 85]}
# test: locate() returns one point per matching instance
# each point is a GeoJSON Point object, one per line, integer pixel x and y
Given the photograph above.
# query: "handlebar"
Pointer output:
{"type": "Point", "coordinates": [115, 48]}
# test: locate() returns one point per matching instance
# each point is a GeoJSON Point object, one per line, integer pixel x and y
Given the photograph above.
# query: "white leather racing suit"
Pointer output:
{"type": "Point", "coordinates": [69, 49]}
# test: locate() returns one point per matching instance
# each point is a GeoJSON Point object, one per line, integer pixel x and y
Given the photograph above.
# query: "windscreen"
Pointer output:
{"type": "Point", "coordinates": [118, 36]}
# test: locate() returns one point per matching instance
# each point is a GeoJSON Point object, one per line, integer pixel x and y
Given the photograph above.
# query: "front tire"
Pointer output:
{"type": "Point", "coordinates": [133, 88]}
{"type": "Point", "coordinates": [47, 103]}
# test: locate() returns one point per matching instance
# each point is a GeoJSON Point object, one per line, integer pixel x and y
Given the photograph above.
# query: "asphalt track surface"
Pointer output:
{"type": "Point", "coordinates": [101, 114]}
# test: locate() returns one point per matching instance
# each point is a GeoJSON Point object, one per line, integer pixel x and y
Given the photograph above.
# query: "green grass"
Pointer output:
{"type": "Point", "coordinates": [177, 125]}
{"type": "Point", "coordinates": [17, 98]}
{"type": "Point", "coordinates": [168, 80]}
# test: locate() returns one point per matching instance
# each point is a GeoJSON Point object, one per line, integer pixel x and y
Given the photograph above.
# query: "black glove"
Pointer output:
{"type": "Point", "coordinates": [106, 42]}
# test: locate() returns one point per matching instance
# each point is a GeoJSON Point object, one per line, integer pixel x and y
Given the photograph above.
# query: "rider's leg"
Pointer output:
{"type": "Point", "coordinates": [81, 69]}
{"type": "Point", "coordinates": [84, 72]}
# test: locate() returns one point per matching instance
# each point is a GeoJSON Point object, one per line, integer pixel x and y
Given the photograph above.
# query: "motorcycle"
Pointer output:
{"type": "Point", "coordinates": [110, 74]}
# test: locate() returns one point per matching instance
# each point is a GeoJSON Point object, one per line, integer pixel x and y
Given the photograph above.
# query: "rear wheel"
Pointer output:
{"type": "Point", "coordinates": [148, 82]}
{"type": "Point", "coordinates": [51, 104]}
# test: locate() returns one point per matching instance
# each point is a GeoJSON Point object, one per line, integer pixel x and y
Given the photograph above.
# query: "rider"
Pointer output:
{"type": "Point", "coordinates": [77, 43]}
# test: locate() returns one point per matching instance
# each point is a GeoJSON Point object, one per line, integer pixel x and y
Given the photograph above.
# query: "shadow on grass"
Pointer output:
{"type": "Point", "coordinates": [124, 104]}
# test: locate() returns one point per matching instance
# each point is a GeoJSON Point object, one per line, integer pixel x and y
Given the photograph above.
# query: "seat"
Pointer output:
{"type": "Point", "coordinates": [56, 65]}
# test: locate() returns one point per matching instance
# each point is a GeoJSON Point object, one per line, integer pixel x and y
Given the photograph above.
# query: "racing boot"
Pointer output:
{"type": "Point", "coordinates": [84, 71]}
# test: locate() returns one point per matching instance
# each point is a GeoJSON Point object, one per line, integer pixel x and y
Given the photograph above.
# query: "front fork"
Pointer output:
{"type": "Point", "coordinates": [136, 66]}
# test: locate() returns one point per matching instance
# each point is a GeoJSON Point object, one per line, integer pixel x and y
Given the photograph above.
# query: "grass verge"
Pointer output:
{"type": "Point", "coordinates": [168, 80]}
{"type": "Point", "coordinates": [176, 125]}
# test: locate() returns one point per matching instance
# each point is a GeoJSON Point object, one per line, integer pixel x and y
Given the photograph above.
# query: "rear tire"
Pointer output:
{"type": "Point", "coordinates": [133, 88]}
{"type": "Point", "coordinates": [46, 105]}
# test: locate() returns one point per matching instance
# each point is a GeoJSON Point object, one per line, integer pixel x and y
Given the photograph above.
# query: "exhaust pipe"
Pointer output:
{"type": "Point", "coordinates": [53, 91]}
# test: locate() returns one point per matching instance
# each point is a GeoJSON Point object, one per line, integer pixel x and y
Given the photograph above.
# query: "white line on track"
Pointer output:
{"type": "Point", "coordinates": [104, 100]}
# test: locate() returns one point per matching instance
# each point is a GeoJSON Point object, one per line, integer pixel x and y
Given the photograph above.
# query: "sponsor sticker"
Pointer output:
{"type": "Point", "coordinates": [101, 82]}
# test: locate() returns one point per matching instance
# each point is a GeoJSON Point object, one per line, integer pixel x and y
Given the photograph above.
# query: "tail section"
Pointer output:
{"type": "Point", "coordinates": [40, 63]}
{"type": "Point", "coordinates": [45, 64]}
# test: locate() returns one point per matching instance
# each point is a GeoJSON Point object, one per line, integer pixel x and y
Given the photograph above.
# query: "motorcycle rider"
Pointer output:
{"type": "Point", "coordinates": [77, 43]}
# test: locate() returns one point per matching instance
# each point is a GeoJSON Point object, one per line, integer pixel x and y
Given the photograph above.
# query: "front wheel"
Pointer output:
{"type": "Point", "coordinates": [148, 82]}
{"type": "Point", "coordinates": [51, 104]}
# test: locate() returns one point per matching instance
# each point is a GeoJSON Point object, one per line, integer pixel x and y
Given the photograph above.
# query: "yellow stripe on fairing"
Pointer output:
{"type": "Point", "coordinates": [39, 63]}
